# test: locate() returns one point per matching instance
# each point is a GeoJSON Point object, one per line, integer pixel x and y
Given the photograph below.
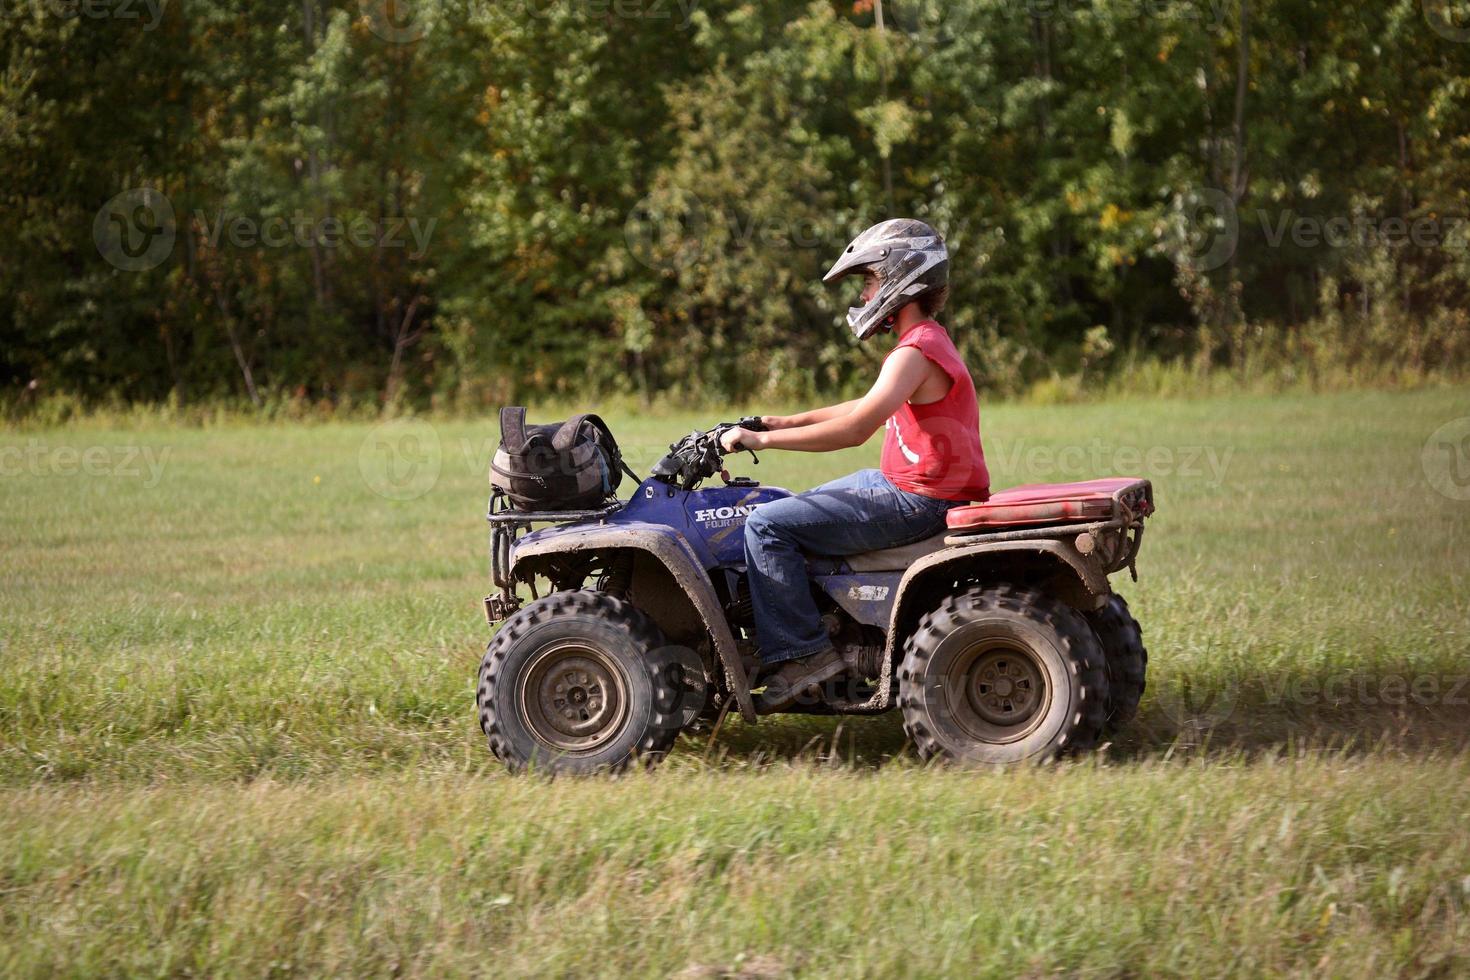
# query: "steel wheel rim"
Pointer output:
{"type": "Point", "coordinates": [573, 697]}
{"type": "Point", "coordinates": [997, 691]}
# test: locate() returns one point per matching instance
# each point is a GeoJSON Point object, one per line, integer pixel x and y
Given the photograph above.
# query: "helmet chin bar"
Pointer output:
{"type": "Point", "coordinates": [854, 313]}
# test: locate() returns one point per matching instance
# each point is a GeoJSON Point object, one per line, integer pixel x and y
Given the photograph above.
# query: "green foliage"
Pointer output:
{"type": "Point", "coordinates": [578, 199]}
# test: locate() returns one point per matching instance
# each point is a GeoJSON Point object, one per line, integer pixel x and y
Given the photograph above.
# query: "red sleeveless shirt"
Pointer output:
{"type": "Point", "coordinates": [934, 449]}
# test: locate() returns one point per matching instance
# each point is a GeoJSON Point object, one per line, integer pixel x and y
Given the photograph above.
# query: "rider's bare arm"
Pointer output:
{"type": "Point", "coordinates": [904, 371]}
{"type": "Point", "coordinates": [810, 418]}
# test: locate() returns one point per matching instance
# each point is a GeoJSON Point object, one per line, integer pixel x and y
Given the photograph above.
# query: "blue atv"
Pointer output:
{"type": "Point", "coordinates": [999, 639]}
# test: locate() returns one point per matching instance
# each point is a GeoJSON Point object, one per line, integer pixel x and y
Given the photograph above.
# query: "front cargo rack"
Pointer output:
{"type": "Point", "coordinates": [507, 523]}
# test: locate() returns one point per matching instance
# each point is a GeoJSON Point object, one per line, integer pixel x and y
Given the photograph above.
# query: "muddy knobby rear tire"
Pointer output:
{"type": "Point", "coordinates": [579, 682]}
{"type": "Point", "coordinates": [1000, 676]}
{"type": "Point", "coordinates": [1127, 659]}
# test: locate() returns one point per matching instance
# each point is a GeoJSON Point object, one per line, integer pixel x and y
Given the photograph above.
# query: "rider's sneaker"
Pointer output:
{"type": "Point", "coordinates": [795, 677]}
{"type": "Point", "coordinates": [750, 658]}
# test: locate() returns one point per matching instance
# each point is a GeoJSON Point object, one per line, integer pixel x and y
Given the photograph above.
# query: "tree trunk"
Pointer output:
{"type": "Point", "coordinates": [404, 338]}
{"type": "Point", "coordinates": [240, 359]}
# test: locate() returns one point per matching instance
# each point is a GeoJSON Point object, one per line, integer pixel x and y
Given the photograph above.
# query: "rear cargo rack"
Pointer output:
{"type": "Point", "coordinates": [1130, 506]}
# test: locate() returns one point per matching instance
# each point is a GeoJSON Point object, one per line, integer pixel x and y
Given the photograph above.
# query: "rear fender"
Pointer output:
{"type": "Point", "coordinates": [673, 554]}
{"type": "Point", "coordinates": [1055, 566]}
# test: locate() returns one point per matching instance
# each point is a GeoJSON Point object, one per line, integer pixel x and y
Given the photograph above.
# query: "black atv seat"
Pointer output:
{"type": "Point", "coordinates": [895, 559]}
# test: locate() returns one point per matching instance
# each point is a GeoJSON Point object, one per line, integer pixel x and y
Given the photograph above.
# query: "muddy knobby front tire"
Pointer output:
{"type": "Point", "coordinates": [1003, 675]}
{"type": "Point", "coordinates": [579, 682]}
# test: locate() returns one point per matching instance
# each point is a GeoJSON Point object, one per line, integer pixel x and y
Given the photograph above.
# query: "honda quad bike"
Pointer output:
{"type": "Point", "coordinates": [999, 639]}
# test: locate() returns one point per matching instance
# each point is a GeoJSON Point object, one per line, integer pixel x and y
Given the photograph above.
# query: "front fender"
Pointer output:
{"type": "Point", "coordinates": [674, 552]}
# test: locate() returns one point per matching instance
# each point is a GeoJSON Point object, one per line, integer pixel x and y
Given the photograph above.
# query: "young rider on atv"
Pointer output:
{"type": "Point", "coordinates": [931, 458]}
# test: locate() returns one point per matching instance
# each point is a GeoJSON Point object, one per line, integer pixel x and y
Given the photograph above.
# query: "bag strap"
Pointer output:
{"type": "Point", "coordinates": [607, 437]}
{"type": "Point", "coordinates": [566, 436]}
{"type": "Point", "coordinates": [513, 428]}
{"type": "Point", "coordinates": [611, 443]}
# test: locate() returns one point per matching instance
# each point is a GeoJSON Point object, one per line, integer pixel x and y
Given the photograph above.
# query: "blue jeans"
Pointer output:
{"type": "Point", "coordinates": [861, 512]}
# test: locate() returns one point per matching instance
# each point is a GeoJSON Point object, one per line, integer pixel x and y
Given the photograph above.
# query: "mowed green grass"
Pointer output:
{"type": "Point", "coordinates": [237, 729]}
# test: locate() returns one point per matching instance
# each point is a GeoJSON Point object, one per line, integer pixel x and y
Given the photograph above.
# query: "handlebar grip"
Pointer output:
{"type": "Point", "coordinates": [753, 423]}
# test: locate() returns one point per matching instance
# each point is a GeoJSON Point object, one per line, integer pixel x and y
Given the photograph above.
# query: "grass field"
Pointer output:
{"type": "Point", "coordinates": [237, 732]}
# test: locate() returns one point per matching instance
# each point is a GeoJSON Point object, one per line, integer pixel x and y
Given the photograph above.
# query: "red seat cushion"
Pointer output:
{"type": "Point", "coordinates": [1043, 503]}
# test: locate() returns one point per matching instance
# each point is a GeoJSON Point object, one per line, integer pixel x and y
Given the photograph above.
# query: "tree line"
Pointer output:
{"type": "Point", "coordinates": [484, 200]}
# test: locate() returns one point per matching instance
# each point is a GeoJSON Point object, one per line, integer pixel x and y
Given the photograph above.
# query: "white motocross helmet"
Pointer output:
{"type": "Point", "coordinates": [909, 259]}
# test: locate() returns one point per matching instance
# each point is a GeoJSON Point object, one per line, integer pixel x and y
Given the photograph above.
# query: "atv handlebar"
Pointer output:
{"type": "Point", "coordinates": [750, 422]}
{"type": "Point", "coordinates": [699, 455]}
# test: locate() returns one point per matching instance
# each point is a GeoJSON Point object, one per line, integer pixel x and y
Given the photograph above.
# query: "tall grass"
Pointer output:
{"type": "Point", "coordinates": [1354, 867]}
{"type": "Point", "coordinates": [237, 736]}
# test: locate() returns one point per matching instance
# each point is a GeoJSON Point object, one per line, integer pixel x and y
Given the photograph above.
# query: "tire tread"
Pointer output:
{"type": "Point", "coordinates": [1078, 643]}
{"type": "Point", "coordinates": [1127, 660]}
{"type": "Point", "coordinates": [655, 741]}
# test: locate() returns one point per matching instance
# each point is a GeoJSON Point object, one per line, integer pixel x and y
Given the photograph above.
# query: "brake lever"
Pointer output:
{"type": "Point", "coordinates": [749, 422]}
